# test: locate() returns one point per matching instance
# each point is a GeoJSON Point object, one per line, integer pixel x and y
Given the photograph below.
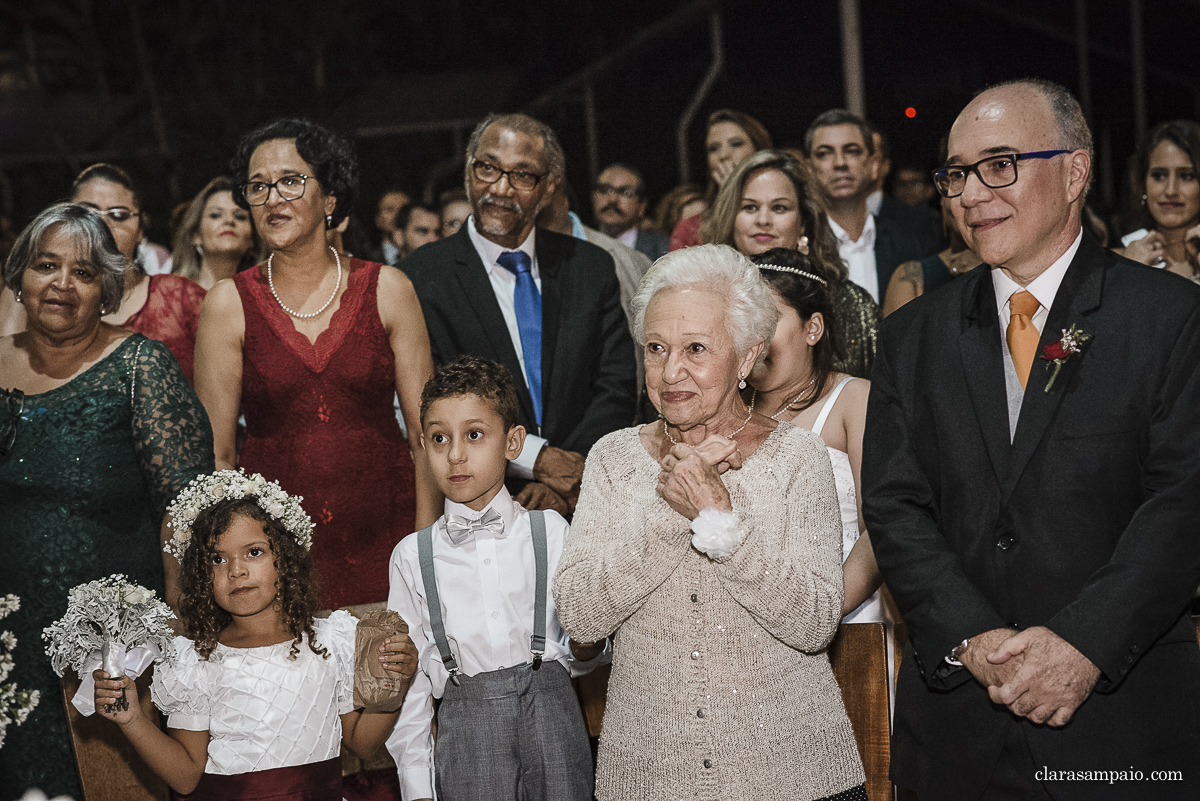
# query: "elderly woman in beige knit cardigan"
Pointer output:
{"type": "Point", "coordinates": [709, 545]}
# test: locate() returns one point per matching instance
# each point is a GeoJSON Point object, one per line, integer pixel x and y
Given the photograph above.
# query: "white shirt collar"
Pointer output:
{"type": "Point", "coordinates": [629, 238]}
{"type": "Point", "coordinates": [489, 251]}
{"type": "Point", "coordinates": [1044, 287]}
{"type": "Point", "coordinates": [875, 201]}
{"type": "Point", "coordinates": [865, 241]}
{"type": "Point", "coordinates": [502, 502]}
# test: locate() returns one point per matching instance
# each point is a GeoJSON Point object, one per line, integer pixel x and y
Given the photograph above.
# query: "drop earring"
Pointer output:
{"type": "Point", "coordinates": [199, 252]}
{"type": "Point", "coordinates": [1143, 200]}
{"type": "Point", "coordinates": [17, 296]}
{"type": "Point", "coordinates": [741, 380]}
{"type": "Point", "coordinates": [328, 220]}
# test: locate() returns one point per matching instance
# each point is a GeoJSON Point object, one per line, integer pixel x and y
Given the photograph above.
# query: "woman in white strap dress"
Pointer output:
{"type": "Point", "coordinates": [795, 382]}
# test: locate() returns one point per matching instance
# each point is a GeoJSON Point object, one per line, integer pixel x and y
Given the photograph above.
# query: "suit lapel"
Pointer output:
{"type": "Point", "coordinates": [477, 290]}
{"type": "Point", "coordinates": [550, 256]}
{"type": "Point", "coordinates": [979, 347]}
{"type": "Point", "coordinates": [1078, 295]}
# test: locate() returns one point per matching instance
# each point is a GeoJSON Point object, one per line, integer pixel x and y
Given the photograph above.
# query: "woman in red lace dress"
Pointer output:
{"type": "Point", "coordinates": [163, 307]}
{"type": "Point", "coordinates": [312, 348]}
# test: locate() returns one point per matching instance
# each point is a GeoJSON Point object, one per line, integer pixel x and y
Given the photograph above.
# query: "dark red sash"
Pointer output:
{"type": "Point", "coordinates": [318, 781]}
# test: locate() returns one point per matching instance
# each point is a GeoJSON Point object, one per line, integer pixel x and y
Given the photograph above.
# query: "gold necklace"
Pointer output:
{"type": "Point", "coordinates": [746, 422]}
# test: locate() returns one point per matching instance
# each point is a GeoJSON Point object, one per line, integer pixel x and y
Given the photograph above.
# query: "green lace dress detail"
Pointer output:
{"type": "Point", "coordinates": [858, 319]}
{"type": "Point", "coordinates": [82, 495]}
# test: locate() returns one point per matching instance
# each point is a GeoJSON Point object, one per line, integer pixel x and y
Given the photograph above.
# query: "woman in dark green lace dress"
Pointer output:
{"type": "Point", "coordinates": [769, 202]}
{"type": "Point", "coordinates": [99, 429]}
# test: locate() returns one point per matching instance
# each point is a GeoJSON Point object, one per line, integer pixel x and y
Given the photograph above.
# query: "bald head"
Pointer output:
{"type": "Point", "coordinates": [1025, 226]}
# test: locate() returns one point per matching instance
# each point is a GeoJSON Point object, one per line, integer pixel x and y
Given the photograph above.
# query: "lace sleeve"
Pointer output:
{"type": "Point", "coordinates": [171, 433]}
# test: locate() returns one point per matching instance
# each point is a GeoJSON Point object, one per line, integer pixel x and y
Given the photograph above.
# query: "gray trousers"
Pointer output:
{"type": "Point", "coordinates": [513, 735]}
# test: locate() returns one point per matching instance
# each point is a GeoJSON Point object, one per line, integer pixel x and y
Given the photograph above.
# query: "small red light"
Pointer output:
{"type": "Point", "coordinates": [910, 112]}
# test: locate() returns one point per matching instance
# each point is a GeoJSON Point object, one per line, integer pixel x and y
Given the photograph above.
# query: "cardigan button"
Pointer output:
{"type": "Point", "coordinates": [708, 763]}
{"type": "Point", "coordinates": [695, 597]}
{"type": "Point", "coordinates": [695, 654]}
{"type": "Point", "coordinates": [699, 713]}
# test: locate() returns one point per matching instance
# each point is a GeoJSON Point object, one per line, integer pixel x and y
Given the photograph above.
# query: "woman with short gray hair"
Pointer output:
{"type": "Point", "coordinates": [708, 544]}
{"type": "Point", "coordinates": [99, 430]}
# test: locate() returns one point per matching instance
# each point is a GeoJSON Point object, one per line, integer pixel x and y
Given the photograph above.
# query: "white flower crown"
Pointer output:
{"type": "Point", "coordinates": [207, 490]}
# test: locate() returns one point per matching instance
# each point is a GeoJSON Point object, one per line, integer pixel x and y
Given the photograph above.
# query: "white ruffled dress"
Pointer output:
{"type": "Point", "coordinates": [261, 709]}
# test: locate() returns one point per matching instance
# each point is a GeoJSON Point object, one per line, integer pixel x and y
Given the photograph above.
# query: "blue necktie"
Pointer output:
{"type": "Point", "coordinates": [528, 302]}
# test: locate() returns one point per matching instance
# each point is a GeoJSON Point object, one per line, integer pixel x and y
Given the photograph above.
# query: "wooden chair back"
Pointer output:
{"type": "Point", "coordinates": [859, 657]}
{"type": "Point", "coordinates": [109, 768]}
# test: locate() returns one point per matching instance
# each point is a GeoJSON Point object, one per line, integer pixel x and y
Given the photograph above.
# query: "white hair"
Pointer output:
{"type": "Point", "coordinates": [750, 312]}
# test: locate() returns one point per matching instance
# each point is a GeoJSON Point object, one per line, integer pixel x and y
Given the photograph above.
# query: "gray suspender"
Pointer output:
{"type": "Point", "coordinates": [537, 643]}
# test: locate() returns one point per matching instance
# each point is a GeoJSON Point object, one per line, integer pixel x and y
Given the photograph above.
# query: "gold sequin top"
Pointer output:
{"type": "Point", "coordinates": [858, 318]}
{"type": "Point", "coordinates": [721, 687]}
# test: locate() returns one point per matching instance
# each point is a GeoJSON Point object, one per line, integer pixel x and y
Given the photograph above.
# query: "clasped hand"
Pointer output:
{"type": "Point", "coordinates": [1035, 673]}
{"type": "Point", "coordinates": [691, 476]}
{"type": "Point", "coordinates": [557, 475]}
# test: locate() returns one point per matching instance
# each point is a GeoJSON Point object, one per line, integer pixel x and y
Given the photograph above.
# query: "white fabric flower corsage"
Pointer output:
{"type": "Point", "coordinates": [716, 533]}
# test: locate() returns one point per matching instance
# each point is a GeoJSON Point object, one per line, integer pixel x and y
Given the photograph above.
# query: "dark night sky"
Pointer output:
{"type": "Point", "coordinates": [224, 65]}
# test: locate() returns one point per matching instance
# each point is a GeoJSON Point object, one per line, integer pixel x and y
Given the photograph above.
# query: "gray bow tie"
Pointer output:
{"type": "Point", "coordinates": [460, 529]}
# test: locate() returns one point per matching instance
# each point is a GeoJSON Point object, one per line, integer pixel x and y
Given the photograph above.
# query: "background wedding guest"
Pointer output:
{"type": "Point", "coordinates": [417, 224]}
{"type": "Point", "coordinates": [162, 306]}
{"type": "Point", "coordinates": [1164, 176]}
{"type": "Point", "coordinates": [796, 382]}
{"type": "Point", "coordinates": [911, 185]}
{"type": "Point", "coordinates": [841, 152]}
{"type": "Point", "coordinates": [312, 349]}
{"type": "Point", "coordinates": [99, 430]}
{"type": "Point", "coordinates": [769, 202]}
{"type": "Point", "coordinates": [685, 200]}
{"type": "Point", "coordinates": [454, 211]}
{"type": "Point", "coordinates": [730, 138]}
{"type": "Point", "coordinates": [920, 221]}
{"type": "Point", "coordinates": [708, 545]}
{"type": "Point", "coordinates": [546, 306]}
{"type": "Point", "coordinates": [619, 204]}
{"type": "Point", "coordinates": [215, 238]}
{"type": "Point", "coordinates": [389, 203]}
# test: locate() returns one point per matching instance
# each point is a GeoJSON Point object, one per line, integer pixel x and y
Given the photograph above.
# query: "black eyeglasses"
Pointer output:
{"type": "Point", "coordinates": [519, 179]}
{"type": "Point", "coordinates": [994, 172]}
{"type": "Point", "coordinates": [289, 187]}
{"type": "Point", "coordinates": [627, 192]}
{"type": "Point", "coordinates": [15, 404]}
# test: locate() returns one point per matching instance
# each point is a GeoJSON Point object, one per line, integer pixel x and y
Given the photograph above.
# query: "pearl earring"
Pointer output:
{"type": "Point", "coordinates": [328, 220]}
{"type": "Point", "coordinates": [17, 295]}
{"type": "Point", "coordinates": [741, 380]}
{"type": "Point", "coordinates": [1143, 200]}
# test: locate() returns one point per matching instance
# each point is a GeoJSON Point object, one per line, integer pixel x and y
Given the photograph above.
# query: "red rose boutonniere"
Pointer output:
{"type": "Point", "coordinates": [1057, 353]}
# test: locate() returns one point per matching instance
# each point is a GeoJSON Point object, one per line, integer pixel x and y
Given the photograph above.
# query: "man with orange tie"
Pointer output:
{"type": "Point", "coordinates": [1031, 476]}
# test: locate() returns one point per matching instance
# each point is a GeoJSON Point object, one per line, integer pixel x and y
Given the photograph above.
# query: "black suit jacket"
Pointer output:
{"type": "Point", "coordinates": [588, 373]}
{"type": "Point", "coordinates": [921, 221]}
{"type": "Point", "coordinates": [652, 243]}
{"type": "Point", "coordinates": [894, 245]}
{"type": "Point", "coordinates": [1087, 523]}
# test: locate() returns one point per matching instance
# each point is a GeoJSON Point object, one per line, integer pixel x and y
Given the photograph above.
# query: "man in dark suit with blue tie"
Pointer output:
{"type": "Point", "coordinates": [1031, 476]}
{"type": "Point", "coordinates": [545, 305]}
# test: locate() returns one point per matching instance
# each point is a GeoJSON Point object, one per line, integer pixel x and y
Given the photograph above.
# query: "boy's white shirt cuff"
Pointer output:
{"type": "Point", "coordinates": [416, 782]}
{"type": "Point", "coordinates": [522, 466]}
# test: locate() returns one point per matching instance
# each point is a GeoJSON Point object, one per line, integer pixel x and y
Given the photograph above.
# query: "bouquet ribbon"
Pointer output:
{"type": "Point", "coordinates": [116, 661]}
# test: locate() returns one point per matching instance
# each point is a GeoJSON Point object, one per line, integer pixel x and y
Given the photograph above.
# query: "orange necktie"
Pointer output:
{"type": "Point", "coordinates": [1022, 334]}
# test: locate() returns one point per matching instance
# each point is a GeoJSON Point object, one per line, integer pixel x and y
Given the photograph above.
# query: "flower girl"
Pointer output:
{"type": "Point", "coordinates": [261, 695]}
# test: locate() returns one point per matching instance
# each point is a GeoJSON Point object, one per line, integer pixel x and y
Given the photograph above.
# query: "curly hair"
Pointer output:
{"type": "Point", "coordinates": [718, 224]}
{"type": "Point", "coordinates": [332, 158]}
{"type": "Point", "coordinates": [203, 619]}
{"type": "Point", "coordinates": [470, 375]}
{"type": "Point", "coordinates": [806, 297]}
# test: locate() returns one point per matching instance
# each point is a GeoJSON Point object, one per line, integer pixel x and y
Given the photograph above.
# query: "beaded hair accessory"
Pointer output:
{"type": "Point", "coordinates": [801, 273]}
{"type": "Point", "coordinates": [208, 490]}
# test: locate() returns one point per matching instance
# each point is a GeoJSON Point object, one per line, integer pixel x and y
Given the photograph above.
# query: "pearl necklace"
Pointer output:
{"type": "Point", "coordinates": [746, 422]}
{"type": "Point", "coordinates": [317, 313]}
{"type": "Point", "coordinates": [789, 404]}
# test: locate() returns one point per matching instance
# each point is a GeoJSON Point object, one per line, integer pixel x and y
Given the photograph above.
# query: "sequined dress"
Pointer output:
{"type": "Point", "coordinates": [320, 420]}
{"type": "Point", "coordinates": [858, 318]}
{"type": "Point", "coordinates": [94, 465]}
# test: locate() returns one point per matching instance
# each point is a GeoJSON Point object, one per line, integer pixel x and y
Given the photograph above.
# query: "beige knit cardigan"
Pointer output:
{"type": "Point", "coordinates": [721, 687]}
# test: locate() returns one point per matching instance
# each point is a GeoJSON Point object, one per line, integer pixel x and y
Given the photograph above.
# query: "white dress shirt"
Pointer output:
{"type": "Point", "coordinates": [1044, 288]}
{"type": "Point", "coordinates": [859, 256]}
{"type": "Point", "coordinates": [504, 284]}
{"type": "Point", "coordinates": [487, 592]}
{"type": "Point", "coordinates": [629, 237]}
{"type": "Point", "coordinates": [875, 201]}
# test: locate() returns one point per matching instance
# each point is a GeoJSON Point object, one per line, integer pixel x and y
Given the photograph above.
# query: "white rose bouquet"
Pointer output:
{"type": "Point", "coordinates": [15, 705]}
{"type": "Point", "coordinates": [111, 624]}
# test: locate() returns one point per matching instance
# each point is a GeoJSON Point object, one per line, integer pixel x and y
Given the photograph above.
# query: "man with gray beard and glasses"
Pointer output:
{"type": "Point", "coordinates": [545, 305]}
